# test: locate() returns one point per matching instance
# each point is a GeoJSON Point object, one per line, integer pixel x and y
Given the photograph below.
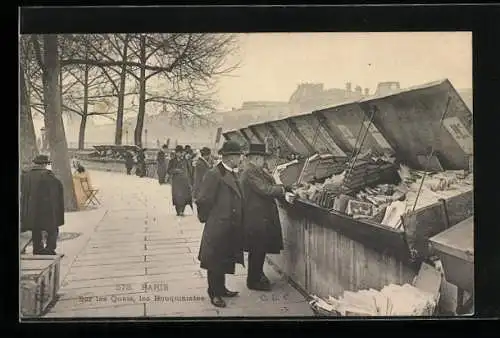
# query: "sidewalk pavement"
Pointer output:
{"type": "Point", "coordinates": [137, 259]}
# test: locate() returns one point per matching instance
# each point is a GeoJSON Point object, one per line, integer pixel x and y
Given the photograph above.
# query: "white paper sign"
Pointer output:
{"type": "Point", "coordinates": [459, 133]}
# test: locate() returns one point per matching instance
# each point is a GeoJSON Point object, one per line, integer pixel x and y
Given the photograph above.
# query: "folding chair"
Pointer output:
{"type": "Point", "coordinates": [90, 193]}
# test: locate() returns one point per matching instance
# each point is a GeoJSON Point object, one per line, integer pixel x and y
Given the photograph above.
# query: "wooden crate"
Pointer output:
{"type": "Point", "coordinates": [39, 283]}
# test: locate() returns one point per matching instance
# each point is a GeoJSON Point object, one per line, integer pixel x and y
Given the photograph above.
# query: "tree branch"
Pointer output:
{"type": "Point", "coordinates": [97, 113]}
{"type": "Point", "coordinates": [113, 63]}
{"type": "Point", "coordinates": [38, 52]}
{"type": "Point", "coordinates": [111, 80]}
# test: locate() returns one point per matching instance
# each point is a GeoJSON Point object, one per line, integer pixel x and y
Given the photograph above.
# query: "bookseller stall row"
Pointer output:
{"type": "Point", "coordinates": [374, 180]}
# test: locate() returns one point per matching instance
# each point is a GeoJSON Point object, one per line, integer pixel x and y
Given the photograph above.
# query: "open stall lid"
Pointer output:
{"type": "Point", "coordinates": [315, 133]}
{"type": "Point", "coordinates": [235, 135]}
{"type": "Point", "coordinates": [410, 120]}
{"type": "Point", "coordinates": [348, 123]}
{"type": "Point", "coordinates": [291, 136]}
{"type": "Point", "coordinates": [250, 135]}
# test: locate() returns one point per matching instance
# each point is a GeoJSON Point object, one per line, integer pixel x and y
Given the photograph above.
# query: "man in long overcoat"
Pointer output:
{"type": "Point", "coordinates": [261, 219]}
{"type": "Point", "coordinates": [203, 164]}
{"type": "Point", "coordinates": [220, 207]}
{"type": "Point", "coordinates": [129, 161]}
{"type": "Point", "coordinates": [140, 169]}
{"type": "Point", "coordinates": [181, 184]}
{"type": "Point", "coordinates": [161, 164]}
{"type": "Point", "coordinates": [189, 156]}
{"type": "Point", "coordinates": [42, 205]}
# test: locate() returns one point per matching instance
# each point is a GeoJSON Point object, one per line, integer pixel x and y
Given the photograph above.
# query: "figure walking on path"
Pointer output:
{"type": "Point", "coordinates": [261, 221]}
{"type": "Point", "coordinates": [203, 164]}
{"type": "Point", "coordinates": [181, 184]}
{"type": "Point", "coordinates": [161, 164]}
{"type": "Point", "coordinates": [189, 155]}
{"type": "Point", "coordinates": [140, 169]}
{"type": "Point", "coordinates": [220, 207]}
{"type": "Point", "coordinates": [42, 205]}
{"type": "Point", "coordinates": [129, 162]}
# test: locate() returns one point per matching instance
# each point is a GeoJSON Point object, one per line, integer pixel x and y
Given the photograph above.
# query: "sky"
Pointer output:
{"type": "Point", "coordinates": [273, 64]}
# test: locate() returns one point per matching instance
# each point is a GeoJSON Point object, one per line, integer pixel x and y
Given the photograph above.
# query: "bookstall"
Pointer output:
{"type": "Point", "coordinates": [374, 179]}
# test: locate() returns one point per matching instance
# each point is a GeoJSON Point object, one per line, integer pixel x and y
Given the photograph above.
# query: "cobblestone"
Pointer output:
{"type": "Point", "coordinates": [141, 261]}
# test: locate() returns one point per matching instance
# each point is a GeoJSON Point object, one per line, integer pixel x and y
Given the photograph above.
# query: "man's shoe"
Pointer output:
{"type": "Point", "coordinates": [230, 294]}
{"type": "Point", "coordinates": [217, 301]}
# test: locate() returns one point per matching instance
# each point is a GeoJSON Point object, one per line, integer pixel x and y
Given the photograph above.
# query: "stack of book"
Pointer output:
{"type": "Point", "coordinates": [368, 173]}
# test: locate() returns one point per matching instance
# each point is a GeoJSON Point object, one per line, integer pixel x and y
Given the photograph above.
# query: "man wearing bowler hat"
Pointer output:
{"type": "Point", "coordinates": [42, 205]}
{"type": "Point", "coordinates": [262, 228]}
{"type": "Point", "coordinates": [220, 206]}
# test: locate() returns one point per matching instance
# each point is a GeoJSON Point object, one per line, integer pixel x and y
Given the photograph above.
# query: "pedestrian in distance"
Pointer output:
{"type": "Point", "coordinates": [140, 169]}
{"type": "Point", "coordinates": [220, 207]}
{"type": "Point", "coordinates": [161, 164]}
{"type": "Point", "coordinates": [203, 164]}
{"type": "Point", "coordinates": [189, 156]}
{"type": "Point", "coordinates": [181, 184]}
{"type": "Point", "coordinates": [42, 205]}
{"type": "Point", "coordinates": [129, 162]}
{"type": "Point", "coordinates": [261, 223]}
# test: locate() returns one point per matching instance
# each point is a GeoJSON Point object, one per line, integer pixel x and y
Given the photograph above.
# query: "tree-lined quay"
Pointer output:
{"type": "Point", "coordinates": [106, 74]}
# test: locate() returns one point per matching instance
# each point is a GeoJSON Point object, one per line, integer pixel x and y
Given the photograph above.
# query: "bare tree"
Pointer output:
{"type": "Point", "coordinates": [28, 146]}
{"type": "Point", "coordinates": [48, 61]}
{"type": "Point", "coordinates": [187, 65]}
{"type": "Point", "coordinates": [96, 99]}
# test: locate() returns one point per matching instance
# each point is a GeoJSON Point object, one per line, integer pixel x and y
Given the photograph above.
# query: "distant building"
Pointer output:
{"type": "Point", "coordinates": [313, 96]}
{"type": "Point", "coordinates": [388, 87]}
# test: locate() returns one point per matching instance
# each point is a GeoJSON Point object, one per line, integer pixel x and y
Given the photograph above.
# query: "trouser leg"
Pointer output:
{"type": "Point", "coordinates": [52, 240]}
{"type": "Point", "coordinates": [37, 238]}
{"type": "Point", "coordinates": [255, 266]}
{"type": "Point", "coordinates": [216, 283]}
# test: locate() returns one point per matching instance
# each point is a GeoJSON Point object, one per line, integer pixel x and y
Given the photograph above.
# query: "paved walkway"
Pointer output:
{"type": "Point", "coordinates": [140, 260]}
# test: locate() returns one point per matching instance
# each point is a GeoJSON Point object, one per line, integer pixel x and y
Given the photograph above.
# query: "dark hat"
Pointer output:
{"type": "Point", "coordinates": [179, 149]}
{"type": "Point", "coordinates": [257, 149]}
{"type": "Point", "coordinates": [205, 151]}
{"type": "Point", "coordinates": [230, 148]}
{"type": "Point", "coordinates": [187, 146]}
{"type": "Point", "coordinates": [41, 159]}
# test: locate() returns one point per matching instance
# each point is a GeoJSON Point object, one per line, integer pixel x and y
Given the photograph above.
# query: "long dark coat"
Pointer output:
{"type": "Point", "coordinates": [261, 219]}
{"type": "Point", "coordinates": [190, 169]}
{"type": "Point", "coordinates": [161, 164]}
{"type": "Point", "coordinates": [140, 169]}
{"type": "Point", "coordinates": [42, 200]}
{"type": "Point", "coordinates": [129, 160]}
{"type": "Point", "coordinates": [220, 204]}
{"type": "Point", "coordinates": [181, 184]}
{"type": "Point", "coordinates": [200, 169]}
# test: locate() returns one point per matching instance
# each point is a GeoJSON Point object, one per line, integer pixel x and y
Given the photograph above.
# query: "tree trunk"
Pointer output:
{"type": "Point", "coordinates": [81, 134]}
{"type": "Point", "coordinates": [27, 138]}
{"type": "Point", "coordinates": [54, 122]}
{"type": "Point", "coordinates": [121, 95]}
{"type": "Point", "coordinates": [142, 93]}
{"type": "Point", "coordinates": [83, 121]}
